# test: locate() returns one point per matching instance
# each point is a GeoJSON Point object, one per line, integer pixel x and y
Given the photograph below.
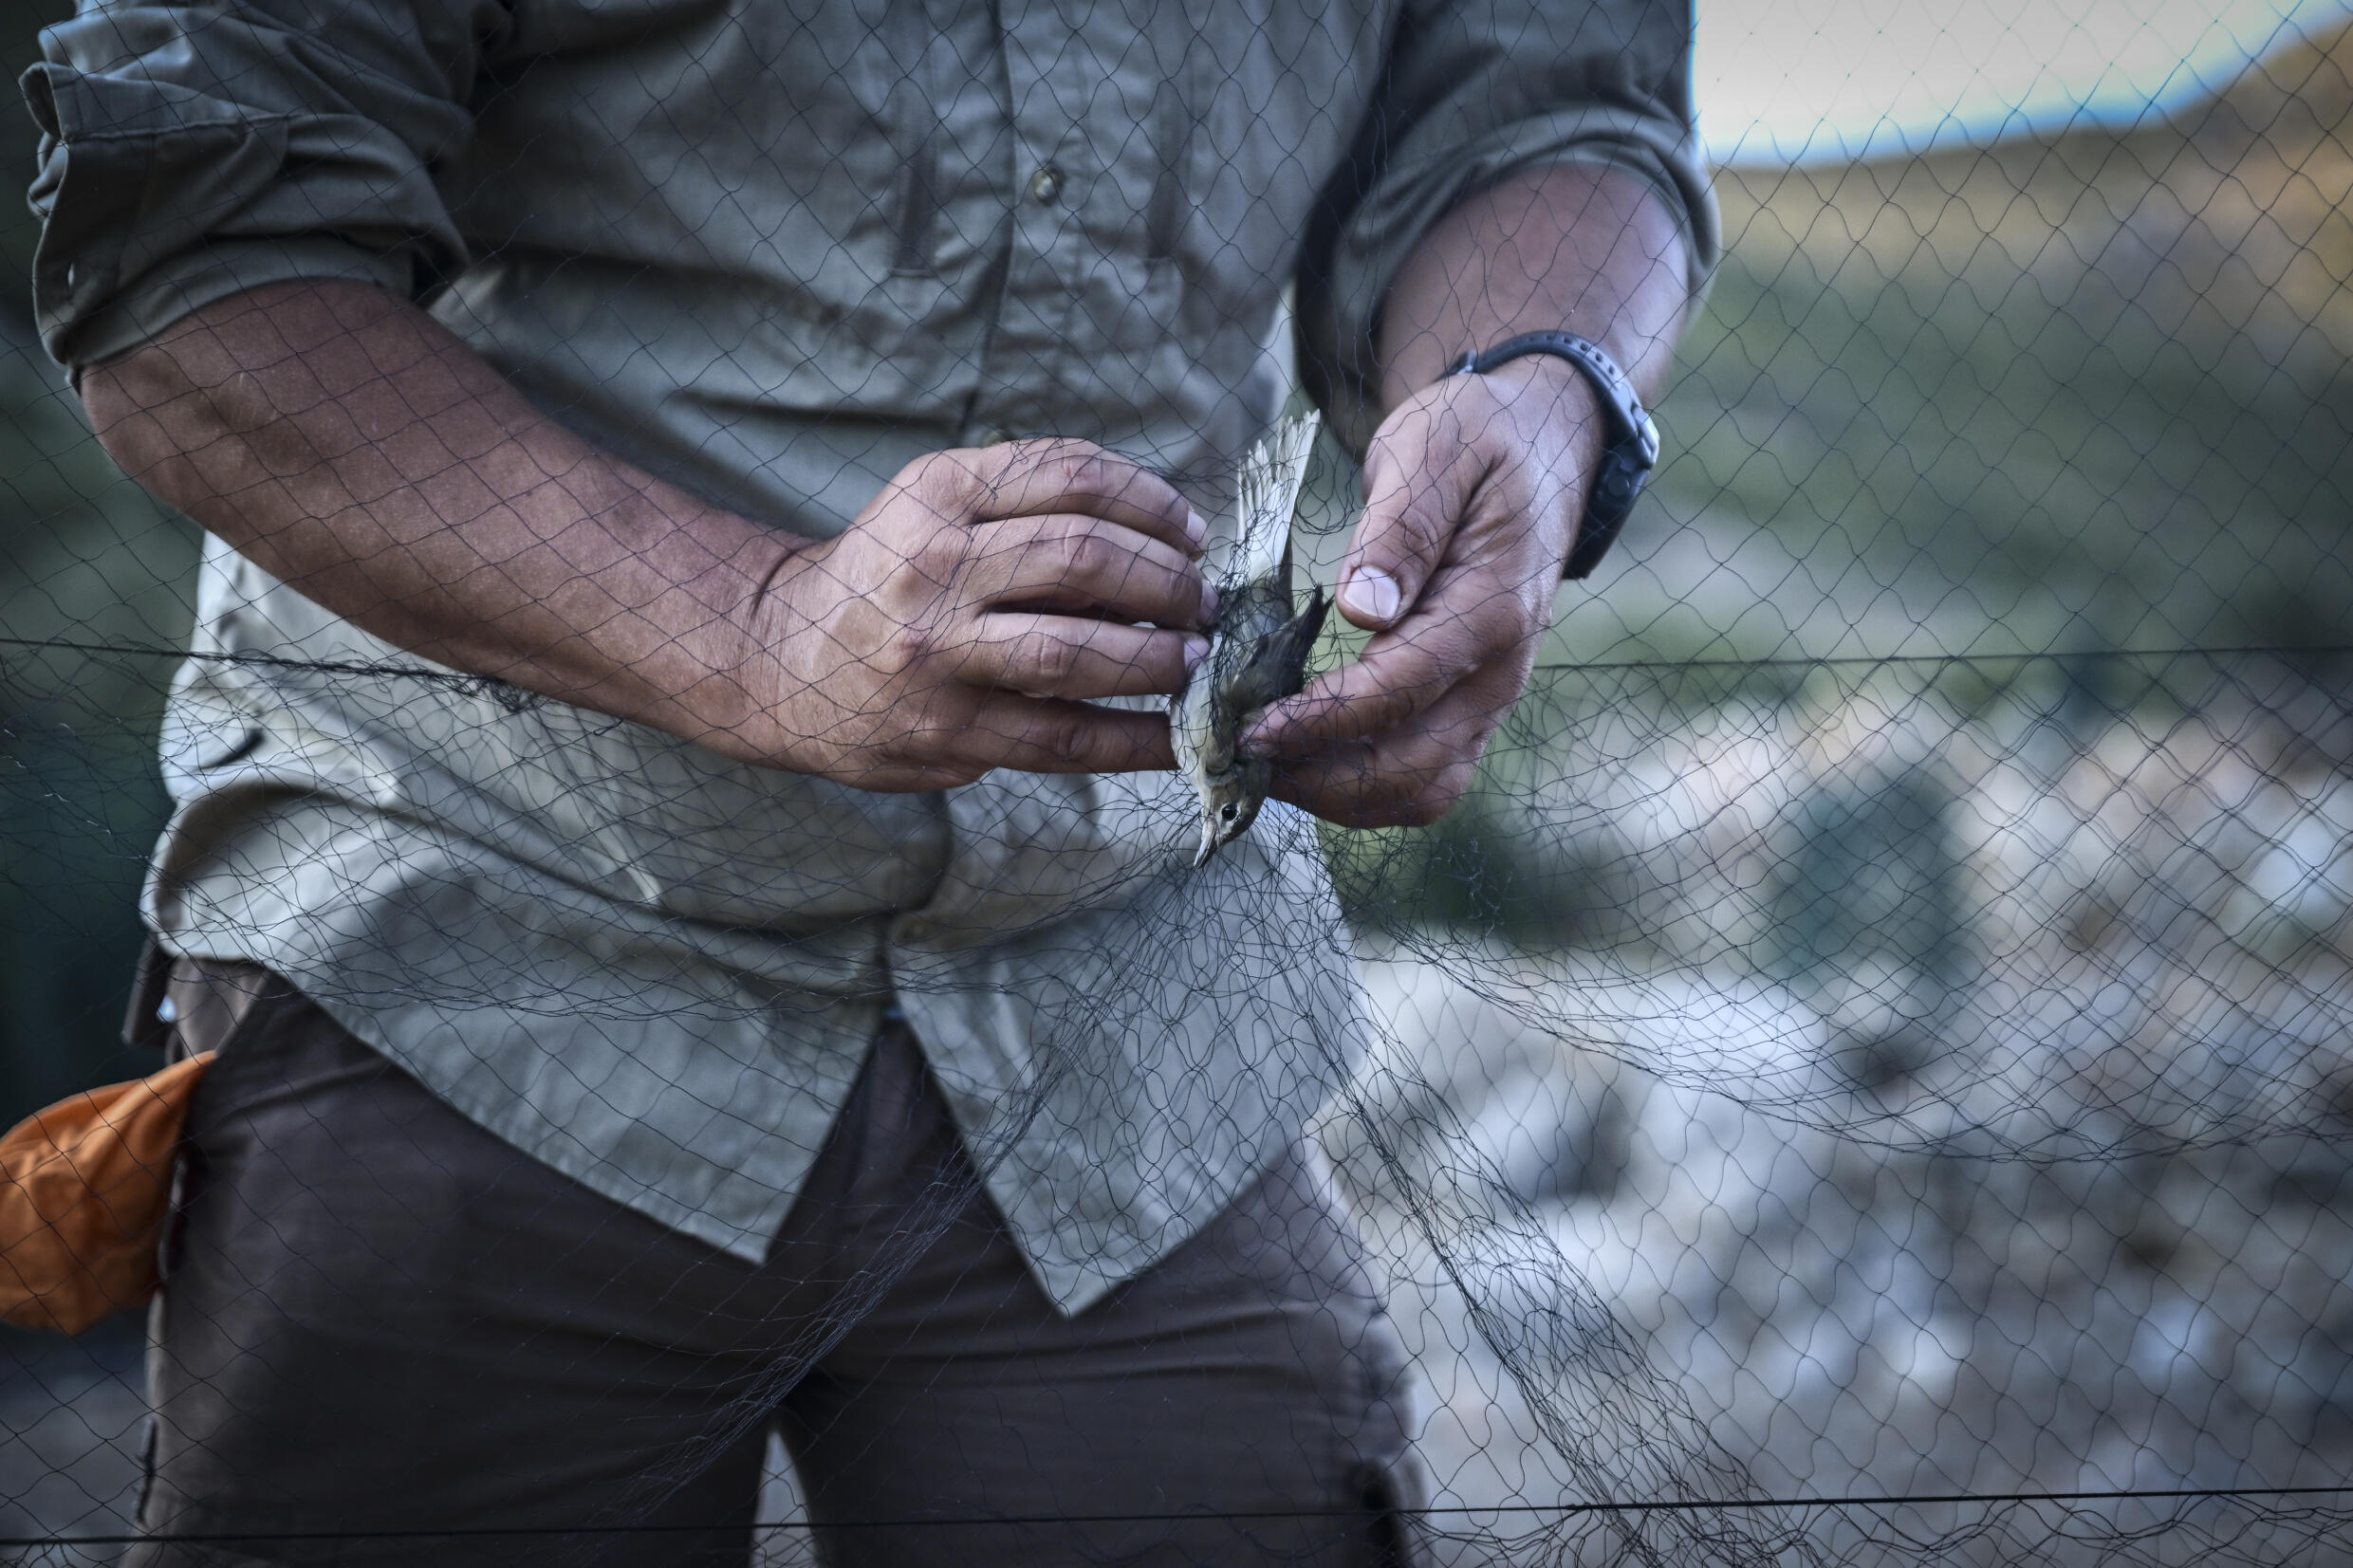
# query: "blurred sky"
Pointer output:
{"type": "Point", "coordinates": [1810, 80]}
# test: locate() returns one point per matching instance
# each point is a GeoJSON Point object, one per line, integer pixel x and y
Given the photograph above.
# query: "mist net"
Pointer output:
{"type": "Point", "coordinates": [1862, 1075]}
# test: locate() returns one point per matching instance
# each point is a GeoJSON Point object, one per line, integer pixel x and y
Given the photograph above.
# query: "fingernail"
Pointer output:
{"type": "Point", "coordinates": [1196, 531]}
{"type": "Point", "coordinates": [1209, 602]}
{"type": "Point", "coordinates": [1196, 649]}
{"type": "Point", "coordinates": [1371, 594]}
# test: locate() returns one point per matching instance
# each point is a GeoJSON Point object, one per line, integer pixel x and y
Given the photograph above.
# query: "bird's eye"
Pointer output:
{"type": "Point", "coordinates": [1228, 812]}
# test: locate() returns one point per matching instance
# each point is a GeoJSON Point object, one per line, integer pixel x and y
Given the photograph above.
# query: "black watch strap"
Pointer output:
{"type": "Point", "coordinates": [1626, 461]}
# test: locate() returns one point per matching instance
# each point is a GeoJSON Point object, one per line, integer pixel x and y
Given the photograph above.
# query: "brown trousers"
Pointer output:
{"type": "Point", "coordinates": [386, 1336]}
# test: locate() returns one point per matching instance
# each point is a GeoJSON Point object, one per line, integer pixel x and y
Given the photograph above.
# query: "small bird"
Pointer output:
{"type": "Point", "coordinates": [1257, 647]}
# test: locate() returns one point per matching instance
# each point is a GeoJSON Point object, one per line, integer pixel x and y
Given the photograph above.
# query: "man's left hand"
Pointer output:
{"type": "Point", "coordinates": [1474, 490]}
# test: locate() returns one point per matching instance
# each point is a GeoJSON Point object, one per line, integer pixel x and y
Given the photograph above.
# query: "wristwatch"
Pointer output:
{"type": "Point", "coordinates": [1633, 449]}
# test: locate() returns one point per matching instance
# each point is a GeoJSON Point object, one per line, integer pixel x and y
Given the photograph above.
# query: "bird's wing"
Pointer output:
{"type": "Point", "coordinates": [1272, 476]}
{"type": "Point", "coordinates": [1277, 667]}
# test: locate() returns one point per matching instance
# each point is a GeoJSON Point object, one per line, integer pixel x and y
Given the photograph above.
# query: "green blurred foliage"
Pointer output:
{"type": "Point", "coordinates": [86, 559]}
{"type": "Point", "coordinates": [78, 816]}
{"type": "Point", "coordinates": [20, 46]}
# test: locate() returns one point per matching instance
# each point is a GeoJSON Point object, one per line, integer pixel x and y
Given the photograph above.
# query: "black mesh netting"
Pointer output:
{"type": "Point", "coordinates": [1862, 1075]}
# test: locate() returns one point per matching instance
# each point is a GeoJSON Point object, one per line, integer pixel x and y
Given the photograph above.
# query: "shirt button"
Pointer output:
{"type": "Point", "coordinates": [1046, 186]}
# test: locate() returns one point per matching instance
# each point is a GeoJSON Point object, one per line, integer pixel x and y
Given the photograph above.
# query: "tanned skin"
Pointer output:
{"type": "Point", "coordinates": [352, 446]}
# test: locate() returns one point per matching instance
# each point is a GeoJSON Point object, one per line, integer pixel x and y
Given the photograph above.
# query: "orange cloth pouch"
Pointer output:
{"type": "Point", "coordinates": [84, 1189]}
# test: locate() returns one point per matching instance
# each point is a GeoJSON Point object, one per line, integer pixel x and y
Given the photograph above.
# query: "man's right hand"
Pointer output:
{"type": "Point", "coordinates": [349, 445]}
{"type": "Point", "coordinates": [963, 621]}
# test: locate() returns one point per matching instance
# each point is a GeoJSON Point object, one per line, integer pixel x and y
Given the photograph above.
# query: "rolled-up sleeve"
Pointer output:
{"type": "Point", "coordinates": [1476, 90]}
{"type": "Point", "coordinates": [190, 151]}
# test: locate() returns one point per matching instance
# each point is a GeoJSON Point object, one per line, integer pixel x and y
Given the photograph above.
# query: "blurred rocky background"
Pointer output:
{"type": "Point", "coordinates": [1894, 963]}
{"type": "Point", "coordinates": [1945, 1062]}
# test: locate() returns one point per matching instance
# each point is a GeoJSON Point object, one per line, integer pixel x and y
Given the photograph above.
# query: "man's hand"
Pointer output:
{"type": "Point", "coordinates": [1473, 488]}
{"type": "Point", "coordinates": [1475, 485]}
{"type": "Point", "coordinates": [965, 618]}
{"type": "Point", "coordinates": [349, 445]}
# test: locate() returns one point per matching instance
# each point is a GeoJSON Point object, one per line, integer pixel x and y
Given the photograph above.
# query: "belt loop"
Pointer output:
{"type": "Point", "coordinates": [143, 1023]}
{"type": "Point", "coordinates": [210, 997]}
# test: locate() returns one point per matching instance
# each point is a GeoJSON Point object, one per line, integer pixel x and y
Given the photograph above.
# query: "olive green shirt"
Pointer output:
{"type": "Point", "coordinates": [772, 251]}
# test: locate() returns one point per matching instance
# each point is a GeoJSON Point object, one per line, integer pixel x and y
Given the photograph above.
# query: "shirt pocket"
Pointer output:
{"type": "Point", "coordinates": [1171, 196]}
{"type": "Point", "coordinates": [1145, 241]}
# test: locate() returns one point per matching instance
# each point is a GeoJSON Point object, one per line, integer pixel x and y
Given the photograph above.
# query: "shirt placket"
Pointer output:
{"type": "Point", "coordinates": [1037, 336]}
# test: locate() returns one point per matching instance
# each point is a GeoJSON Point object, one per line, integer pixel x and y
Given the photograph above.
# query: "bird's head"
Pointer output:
{"type": "Point", "coordinates": [1228, 805]}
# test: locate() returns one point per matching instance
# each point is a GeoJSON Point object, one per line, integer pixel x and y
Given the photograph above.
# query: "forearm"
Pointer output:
{"type": "Point", "coordinates": [348, 444]}
{"type": "Point", "coordinates": [1577, 248]}
{"type": "Point", "coordinates": [1473, 488]}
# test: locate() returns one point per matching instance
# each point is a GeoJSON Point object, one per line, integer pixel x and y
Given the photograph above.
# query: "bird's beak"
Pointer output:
{"type": "Point", "coordinates": [1209, 844]}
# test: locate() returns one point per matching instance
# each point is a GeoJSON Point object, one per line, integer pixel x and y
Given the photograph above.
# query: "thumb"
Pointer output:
{"type": "Point", "coordinates": [1419, 478]}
